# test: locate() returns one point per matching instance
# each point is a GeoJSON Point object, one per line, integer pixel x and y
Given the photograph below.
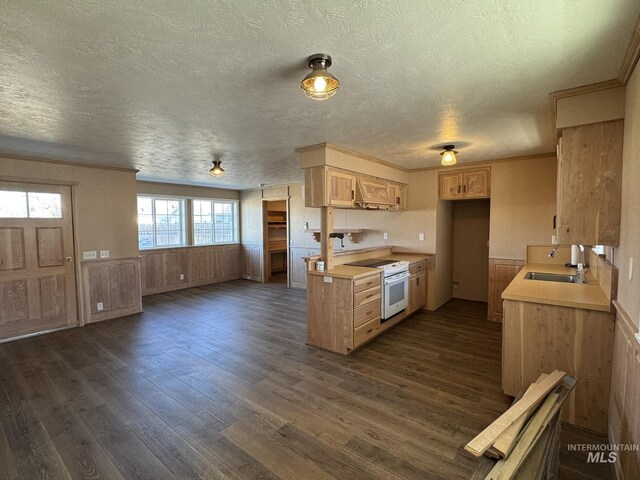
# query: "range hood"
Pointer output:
{"type": "Point", "coordinates": [372, 193]}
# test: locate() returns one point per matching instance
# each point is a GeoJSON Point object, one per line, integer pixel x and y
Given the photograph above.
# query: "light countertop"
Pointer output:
{"type": "Point", "coordinates": [347, 271]}
{"type": "Point", "coordinates": [589, 296]}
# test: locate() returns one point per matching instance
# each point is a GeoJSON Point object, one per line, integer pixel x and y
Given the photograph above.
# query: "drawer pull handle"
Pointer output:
{"type": "Point", "coordinates": [369, 283]}
{"type": "Point", "coordinates": [370, 330]}
{"type": "Point", "coordinates": [369, 296]}
{"type": "Point", "coordinates": [369, 312]}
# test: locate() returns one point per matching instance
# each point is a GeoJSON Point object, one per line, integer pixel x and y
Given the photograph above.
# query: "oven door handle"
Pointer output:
{"type": "Point", "coordinates": [397, 278]}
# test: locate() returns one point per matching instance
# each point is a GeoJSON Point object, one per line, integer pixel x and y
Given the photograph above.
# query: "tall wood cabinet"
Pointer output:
{"type": "Point", "coordinates": [464, 184]}
{"type": "Point", "coordinates": [589, 184]}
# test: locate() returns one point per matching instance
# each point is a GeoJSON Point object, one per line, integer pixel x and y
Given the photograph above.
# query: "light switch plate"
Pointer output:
{"type": "Point", "coordinates": [385, 236]}
{"type": "Point", "coordinates": [100, 306]}
{"type": "Point", "coordinates": [104, 253]}
{"type": "Point", "coordinates": [91, 255]}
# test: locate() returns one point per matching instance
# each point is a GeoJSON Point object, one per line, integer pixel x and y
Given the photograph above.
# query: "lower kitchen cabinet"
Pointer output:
{"type": "Point", "coordinates": [343, 313]}
{"type": "Point", "coordinates": [501, 273]}
{"type": "Point", "coordinates": [417, 286]}
{"type": "Point", "coordinates": [539, 338]}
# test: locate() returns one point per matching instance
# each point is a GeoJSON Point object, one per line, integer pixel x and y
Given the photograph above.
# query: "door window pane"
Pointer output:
{"type": "Point", "coordinates": [13, 204]}
{"type": "Point", "coordinates": [45, 205]}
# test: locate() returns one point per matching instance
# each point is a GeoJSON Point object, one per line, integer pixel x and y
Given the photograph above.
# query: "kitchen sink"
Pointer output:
{"type": "Point", "coordinates": [551, 277]}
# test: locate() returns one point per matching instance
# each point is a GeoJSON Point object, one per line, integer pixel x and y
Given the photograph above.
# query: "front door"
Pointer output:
{"type": "Point", "coordinates": [37, 279]}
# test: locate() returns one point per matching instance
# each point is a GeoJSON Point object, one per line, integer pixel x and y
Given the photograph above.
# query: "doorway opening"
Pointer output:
{"type": "Point", "coordinates": [275, 220]}
{"type": "Point", "coordinates": [471, 250]}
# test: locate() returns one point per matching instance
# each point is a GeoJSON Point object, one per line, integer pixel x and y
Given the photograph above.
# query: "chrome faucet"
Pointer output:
{"type": "Point", "coordinates": [552, 253]}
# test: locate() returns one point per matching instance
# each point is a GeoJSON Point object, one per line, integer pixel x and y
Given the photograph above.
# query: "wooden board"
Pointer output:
{"type": "Point", "coordinates": [485, 439]}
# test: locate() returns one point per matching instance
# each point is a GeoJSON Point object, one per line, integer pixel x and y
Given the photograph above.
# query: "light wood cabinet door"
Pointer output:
{"type": "Point", "coordinates": [450, 186]}
{"type": "Point", "coordinates": [397, 195]}
{"type": "Point", "coordinates": [421, 284]}
{"type": "Point", "coordinates": [475, 183]}
{"type": "Point", "coordinates": [590, 185]}
{"type": "Point", "coordinates": [340, 188]}
{"type": "Point", "coordinates": [417, 291]}
{"type": "Point", "coordinates": [501, 273]}
{"type": "Point", "coordinates": [372, 191]}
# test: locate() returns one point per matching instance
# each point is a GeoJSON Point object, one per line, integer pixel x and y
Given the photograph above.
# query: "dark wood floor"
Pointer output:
{"type": "Point", "coordinates": [216, 382]}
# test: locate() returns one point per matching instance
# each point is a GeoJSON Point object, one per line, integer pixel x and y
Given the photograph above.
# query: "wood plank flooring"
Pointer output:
{"type": "Point", "coordinates": [216, 382]}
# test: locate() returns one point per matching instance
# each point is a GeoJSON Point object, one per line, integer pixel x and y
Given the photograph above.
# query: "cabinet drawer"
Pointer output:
{"type": "Point", "coordinates": [366, 312]}
{"type": "Point", "coordinates": [418, 267]}
{"type": "Point", "coordinates": [366, 296]}
{"type": "Point", "coordinates": [364, 332]}
{"type": "Point", "coordinates": [365, 283]}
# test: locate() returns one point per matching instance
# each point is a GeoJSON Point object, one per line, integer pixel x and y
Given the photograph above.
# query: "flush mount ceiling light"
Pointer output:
{"type": "Point", "coordinates": [319, 84]}
{"type": "Point", "coordinates": [217, 170]}
{"type": "Point", "coordinates": [449, 155]}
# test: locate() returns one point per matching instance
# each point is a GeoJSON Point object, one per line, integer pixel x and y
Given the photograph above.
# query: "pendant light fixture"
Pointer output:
{"type": "Point", "coordinates": [448, 155]}
{"type": "Point", "coordinates": [217, 170]}
{"type": "Point", "coordinates": [319, 84]}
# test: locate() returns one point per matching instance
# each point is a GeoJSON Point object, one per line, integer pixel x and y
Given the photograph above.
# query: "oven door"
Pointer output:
{"type": "Point", "coordinates": [395, 297]}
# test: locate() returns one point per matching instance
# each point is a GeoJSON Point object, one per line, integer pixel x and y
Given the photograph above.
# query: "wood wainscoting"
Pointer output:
{"type": "Point", "coordinates": [252, 262]}
{"type": "Point", "coordinates": [169, 269]}
{"type": "Point", "coordinates": [624, 415]}
{"type": "Point", "coordinates": [298, 265]}
{"type": "Point", "coordinates": [113, 283]}
{"type": "Point", "coordinates": [501, 272]}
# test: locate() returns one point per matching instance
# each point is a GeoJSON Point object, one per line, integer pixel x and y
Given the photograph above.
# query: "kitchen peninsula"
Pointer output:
{"type": "Point", "coordinates": [345, 304]}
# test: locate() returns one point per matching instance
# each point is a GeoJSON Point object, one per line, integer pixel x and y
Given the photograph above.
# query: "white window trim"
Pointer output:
{"type": "Point", "coordinates": [235, 220]}
{"type": "Point", "coordinates": [183, 216]}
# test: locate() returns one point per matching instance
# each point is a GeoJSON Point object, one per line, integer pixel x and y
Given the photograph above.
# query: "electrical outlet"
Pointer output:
{"type": "Point", "coordinates": [104, 253]}
{"type": "Point", "coordinates": [630, 268]}
{"type": "Point", "coordinates": [421, 236]}
{"type": "Point", "coordinates": [100, 306]}
{"type": "Point", "coordinates": [182, 276]}
{"type": "Point", "coordinates": [385, 236]}
{"type": "Point", "coordinates": [89, 255]}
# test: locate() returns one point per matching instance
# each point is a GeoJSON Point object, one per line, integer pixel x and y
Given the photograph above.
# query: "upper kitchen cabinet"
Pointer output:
{"type": "Point", "coordinates": [589, 184]}
{"type": "Point", "coordinates": [325, 187]}
{"type": "Point", "coordinates": [464, 184]}
{"type": "Point", "coordinates": [372, 193]}
{"type": "Point", "coordinates": [397, 195]}
{"type": "Point", "coordinates": [331, 187]}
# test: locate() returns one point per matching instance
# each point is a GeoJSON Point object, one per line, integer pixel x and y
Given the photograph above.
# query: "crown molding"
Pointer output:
{"type": "Point", "coordinates": [581, 90]}
{"type": "Point", "coordinates": [632, 56]}
{"type": "Point", "coordinates": [68, 163]}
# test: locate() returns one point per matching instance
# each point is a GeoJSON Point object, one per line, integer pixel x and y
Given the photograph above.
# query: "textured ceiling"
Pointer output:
{"type": "Point", "coordinates": [164, 85]}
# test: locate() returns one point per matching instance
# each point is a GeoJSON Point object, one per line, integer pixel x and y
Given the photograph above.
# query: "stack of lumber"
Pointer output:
{"type": "Point", "coordinates": [525, 439]}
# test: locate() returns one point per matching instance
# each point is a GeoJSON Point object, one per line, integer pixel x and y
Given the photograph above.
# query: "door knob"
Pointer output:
{"type": "Point", "coordinates": [67, 259]}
